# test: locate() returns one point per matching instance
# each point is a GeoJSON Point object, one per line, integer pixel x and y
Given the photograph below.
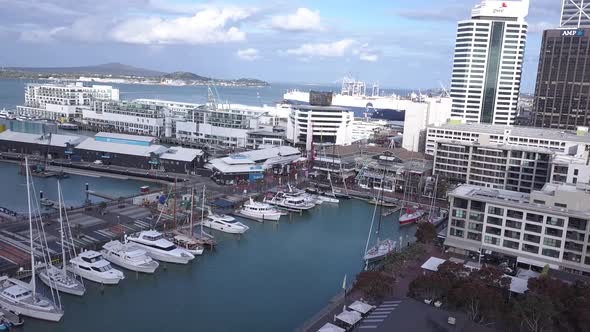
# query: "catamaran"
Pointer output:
{"type": "Point", "coordinates": [59, 278]}
{"type": "Point", "coordinates": [21, 297]}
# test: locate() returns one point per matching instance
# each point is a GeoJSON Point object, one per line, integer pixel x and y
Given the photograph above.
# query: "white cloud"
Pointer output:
{"type": "Point", "coordinates": [303, 19]}
{"type": "Point", "coordinates": [249, 54]}
{"type": "Point", "coordinates": [211, 25]}
{"type": "Point", "coordinates": [368, 57]}
{"type": "Point", "coordinates": [37, 35]}
{"type": "Point", "coordinates": [333, 49]}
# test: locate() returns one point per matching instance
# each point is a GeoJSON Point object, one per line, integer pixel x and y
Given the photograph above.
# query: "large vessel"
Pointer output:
{"type": "Point", "coordinates": [354, 97]}
{"type": "Point", "coordinates": [92, 266]}
{"type": "Point", "coordinates": [159, 248]}
{"type": "Point", "coordinates": [260, 211]}
{"type": "Point", "coordinates": [128, 256]}
{"type": "Point", "coordinates": [224, 223]}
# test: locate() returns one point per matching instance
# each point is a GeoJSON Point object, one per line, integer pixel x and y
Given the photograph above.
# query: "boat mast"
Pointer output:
{"type": "Point", "coordinates": [61, 228]}
{"type": "Point", "coordinates": [33, 284]}
{"type": "Point", "coordinates": [203, 210]}
{"type": "Point", "coordinates": [192, 209]}
{"type": "Point", "coordinates": [381, 205]}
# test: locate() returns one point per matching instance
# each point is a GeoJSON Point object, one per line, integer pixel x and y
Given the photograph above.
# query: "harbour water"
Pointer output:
{"type": "Point", "coordinates": [13, 194]}
{"type": "Point", "coordinates": [272, 278]}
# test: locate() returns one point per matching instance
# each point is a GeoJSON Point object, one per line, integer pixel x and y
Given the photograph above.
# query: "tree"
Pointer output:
{"type": "Point", "coordinates": [481, 302]}
{"type": "Point", "coordinates": [432, 286]}
{"type": "Point", "coordinates": [375, 285]}
{"type": "Point", "coordinates": [102, 205]}
{"type": "Point", "coordinates": [535, 312]}
{"type": "Point", "coordinates": [454, 272]}
{"type": "Point", "coordinates": [426, 233]}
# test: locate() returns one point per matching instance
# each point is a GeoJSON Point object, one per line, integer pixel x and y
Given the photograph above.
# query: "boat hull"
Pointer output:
{"type": "Point", "coordinates": [162, 257]}
{"type": "Point", "coordinates": [261, 217]}
{"type": "Point", "coordinates": [93, 277]}
{"type": "Point", "coordinates": [76, 290]}
{"type": "Point", "coordinates": [225, 229]}
{"type": "Point", "coordinates": [31, 312]}
{"type": "Point", "coordinates": [143, 268]}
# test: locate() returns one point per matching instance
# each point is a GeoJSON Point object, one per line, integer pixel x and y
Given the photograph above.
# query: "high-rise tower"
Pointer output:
{"type": "Point", "coordinates": [575, 14]}
{"type": "Point", "coordinates": [488, 60]}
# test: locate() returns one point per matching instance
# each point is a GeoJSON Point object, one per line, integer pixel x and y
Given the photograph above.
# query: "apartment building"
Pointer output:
{"type": "Point", "coordinates": [546, 227]}
{"type": "Point", "coordinates": [498, 166]}
{"type": "Point", "coordinates": [128, 117]}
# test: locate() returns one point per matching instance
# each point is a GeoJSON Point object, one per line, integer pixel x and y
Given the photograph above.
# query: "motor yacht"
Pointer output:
{"type": "Point", "coordinates": [290, 202]}
{"type": "Point", "coordinates": [92, 266]}
{"type": "Point", "coordinates": [129, 256]}
{"type": "Point", "coordinates": [224, 223]}
{"type": "Point", "coordinates": [157, 247]}
{"type": "Point", "coordinates": [260, 211]}
{"type": "Point", "coordinates": [21, 298]}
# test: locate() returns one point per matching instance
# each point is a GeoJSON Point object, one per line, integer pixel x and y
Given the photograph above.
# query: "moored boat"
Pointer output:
{"type": "Point", "coordinates": [128, 256]}
{"type": "Point", "coordinates": [224, 223]}
{"type": "Point", "coordinates": [92, 266]}
{"type": "Point", "coordinates": [154, 243]}
{"type": "Point", "coordinates": [260, 211]}
{"type": "Point", "coordinates": [410, 216]}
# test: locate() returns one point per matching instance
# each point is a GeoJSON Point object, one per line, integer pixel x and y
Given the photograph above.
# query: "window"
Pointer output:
{"type": "Point", "coordinates": [530, 248]}
{"type": "Point", "coordinates": [575, 171]}
{"type": "Point", "coordinates": [538, 201]}
{"type": "Point", "coordinates": [534, 217]}
{"type": "Point", "coordinates": [553, 232]}
{"type": "Point", "coordinates": [513, 224]}
{"type": "Point", "coordinates": [459, 213]}
{"type": "Point", "coordinates": [533, 228]}
{"type": "Point", "coordinates": [456, 232]}
{"type": "Point", "coordinates": [496, 211]}
{"type": "Point", "coordinates": [474, 236]}
{"type": "Point", "coordinates": [491, 240]}
{"type": "Point", "coordinates": [460, 203]}
{"type": "Point", "coordinates": [515, 214]}
{"type": "Point", "coordinates": [550, 253]}
{"type": "Point", "coordinates": [554, 221]}
{"type": "Point", "coordinates": [494, 221]}
{"type": "Point", "coordinates": [560, 205]}
{"type": "Point", "coordinates": [512, 234]}
{"type": "Point", "coordinates": [493, 231]}
{"type": "Point", "coordinates": [532, 238]}
{"type": "Point", "coordinates": [511, 244]}
{"type": "Point", "coordinates": [458, 223]}
{"type": "Point", "coordinates": [552, 242]}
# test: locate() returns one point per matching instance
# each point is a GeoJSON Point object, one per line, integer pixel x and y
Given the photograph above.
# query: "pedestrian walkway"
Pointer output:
{"type": "Point", "coordinates": [377, 316]}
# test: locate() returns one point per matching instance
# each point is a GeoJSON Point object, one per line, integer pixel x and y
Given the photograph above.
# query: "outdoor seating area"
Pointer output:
{"type": "Point", "coordinates": [347, 320]}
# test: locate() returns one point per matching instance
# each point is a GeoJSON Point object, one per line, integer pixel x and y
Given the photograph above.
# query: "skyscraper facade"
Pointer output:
{"type": "Point", "coordinates": [562, 91]}
{"type": "Point", "coordinates": [575, 14]}
{"type": "Point", "coordinates": [488, 60]}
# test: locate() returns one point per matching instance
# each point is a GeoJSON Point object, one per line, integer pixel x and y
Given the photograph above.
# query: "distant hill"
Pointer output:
{"type": "Point", "coordinates": [114, 69]}
{"type": "Point", "coordinates": [185, 76]}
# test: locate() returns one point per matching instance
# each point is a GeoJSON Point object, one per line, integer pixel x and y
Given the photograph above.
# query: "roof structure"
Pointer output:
{"type": "Point", "coordinates": [181, 154]}
{"type": "Point", "coordinates": [134, 150]}
{"type": "Point", "coordinates": [128, 137]}
{"type": "Point", "coordinates": [53, 139]}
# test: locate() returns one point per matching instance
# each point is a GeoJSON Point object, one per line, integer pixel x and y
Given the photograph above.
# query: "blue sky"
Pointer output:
{"type": "Point", "coordinates": [400, 44]}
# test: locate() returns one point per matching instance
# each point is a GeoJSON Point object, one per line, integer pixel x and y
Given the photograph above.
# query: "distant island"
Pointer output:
{"type": "Point", "coordinates": [121, 73]}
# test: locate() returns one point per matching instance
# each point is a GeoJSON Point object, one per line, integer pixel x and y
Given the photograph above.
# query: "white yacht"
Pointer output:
{"type": "Point", "coordinates": [224, 223]}
{"type": "Point", "coordinates": [380, 250]}
{"type": "Point", "coordinates": [54, 277]}
{"type": "Point", "coordinates": [260, 211]}
{"type": "Point", "coordinates": [290, 202]}
{"type": "Point", "coordinates": [129, 256]}
{"type": "Point", "coordinates": [159, 248]}
{"type": "Point", "coordinates": [92, 266]}
{"type": "Point", "coordinates": [21, 298]}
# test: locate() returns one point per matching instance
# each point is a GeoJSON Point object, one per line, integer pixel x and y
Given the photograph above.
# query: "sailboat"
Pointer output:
{"type": "Point", "coordinates": [436, 215]}
{"type": "Point", "coordinates": [21, 297]}
{"type": "Point", "coordinates": [54, 277]}
{"type": "Point", "coordinates": [187, 241]}
{"type": "Point", "coordinates": [411, 214]}
{"type": "Point", "coordinates": [381, 247]}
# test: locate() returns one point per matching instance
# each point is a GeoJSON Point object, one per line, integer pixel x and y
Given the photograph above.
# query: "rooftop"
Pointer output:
{"type": "Point", "coordinates": [52, 140]}
{"type": "Point", "coordinates": [125, 137]}
{"type": "Point", "coordinates": [181, 154]}
{"type": "Point", "coordinates": [320, 108]}
{"type": "Point", "coordinates": [135, 150]}
{"type": "Point", "coordinates": [546, 133]}
{"type": "Point", "coordinates": [507, 147]}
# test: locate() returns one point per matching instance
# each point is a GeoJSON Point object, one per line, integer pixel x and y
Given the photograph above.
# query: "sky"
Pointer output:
{"type": "Point", "coordinates": [398, 44]}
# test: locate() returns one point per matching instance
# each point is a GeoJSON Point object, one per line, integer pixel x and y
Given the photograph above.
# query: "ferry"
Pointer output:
{"type": "Point", "coordinates": [354, 97]}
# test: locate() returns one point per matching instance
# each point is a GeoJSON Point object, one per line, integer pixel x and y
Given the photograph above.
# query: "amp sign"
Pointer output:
{"type": "Point", "coordinates": [572, 33]}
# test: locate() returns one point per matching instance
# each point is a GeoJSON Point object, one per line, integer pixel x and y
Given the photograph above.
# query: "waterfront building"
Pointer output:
{"type": "Point", "coordinates": [546, 227]}
{"type": "Point", "coordinates": [575, 14]}
{"type": "Point", "coordinates": [62, 102]}
{"type": "Point", "coordinates": [560, 141]}
{"type": "Point", "coordinates": [179, 109]}
{"type": "Point", "coordinates": [498, 166]}
{"type": "Point", "coordinates": [488, 60]}
{"type": "Point", "coordinates": [139, 152]}
{"type": "Point", "coordinates": [265, 138]}
{"type": "Point", "coordinates": [562, 99]}
{"type": "Point", "coordinates": [395, 171]}
{"type": "Point", "coordinates": [52, 146]}
{"type": "Point", "coordinates": [252, 165]}
{"type": "Point", "coordinates": [128, 117]}
{"type": "Point", "coordinates": [315, 124]}
{"type": "Point", "coordinates": [420, 113]}
{"type": "Point", "coordinates": [339, 161]}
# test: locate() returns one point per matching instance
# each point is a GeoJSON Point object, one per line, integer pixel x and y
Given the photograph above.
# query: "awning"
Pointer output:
{"type": "Point", "coordinates": [349, 317]}
{"type": "Point", "coordinates": [535, 262]}
{"type": "Point", "coordinates": [329, 327]}
{"type": "Point", "coordinates": [432, 264]}
{"type": "Point", "coordinates": [361, 307]}
{"type": "Point", "coordinates": [518, 285]}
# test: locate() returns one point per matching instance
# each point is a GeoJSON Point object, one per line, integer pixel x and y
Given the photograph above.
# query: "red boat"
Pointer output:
{"type": "Point", "coordinates": [411, 216]}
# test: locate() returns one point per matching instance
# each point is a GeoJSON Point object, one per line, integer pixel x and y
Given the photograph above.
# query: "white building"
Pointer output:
{"type": "Point", "coordinates": [550, 226]}
{"type": "Point", "coordinates": [488, 60]}
{"type": "Point", "coordinates": [128, 117]}
{"type": "Point", "coordinates": [419, 115]}
{"type": "Point", "coordinates": [63, 101]}
{"type": "Point", "coordinates": [575, 14]}
{"type": "Point", "coordinates": [320, 125]}
{"type": "Point", "coordinates": [365, 128]}
{"type": "Point", "coordinates": [560, 141]}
